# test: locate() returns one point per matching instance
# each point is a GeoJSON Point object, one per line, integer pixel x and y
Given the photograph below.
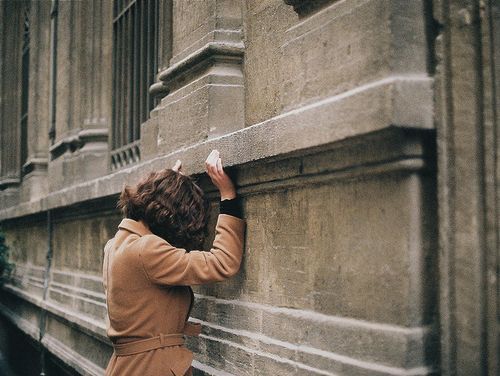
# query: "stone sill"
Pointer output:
{"type": "Point", "coordinates": [379, 105]}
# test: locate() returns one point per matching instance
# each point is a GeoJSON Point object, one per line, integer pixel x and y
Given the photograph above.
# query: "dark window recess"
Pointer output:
{"type": "Point", "coordinates": [135, 50]}
{"type": "Point", "coordinates": [25, 86]}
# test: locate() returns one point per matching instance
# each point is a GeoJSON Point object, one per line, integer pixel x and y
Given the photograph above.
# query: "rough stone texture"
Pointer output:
{"type": "Point", "coordinates": [355, 43]}
{"type": "Point", "coordinates": [368, 251]}
{"type": "Point", "coordinates": [468, 190]}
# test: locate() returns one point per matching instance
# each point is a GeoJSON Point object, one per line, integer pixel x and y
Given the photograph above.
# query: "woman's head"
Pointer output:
{"type": "Point", "coordinates": [171, 204]}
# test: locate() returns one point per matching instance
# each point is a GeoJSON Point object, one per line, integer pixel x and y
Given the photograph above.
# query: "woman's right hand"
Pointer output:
{"type": "Point", "coordinates": [221, 180]}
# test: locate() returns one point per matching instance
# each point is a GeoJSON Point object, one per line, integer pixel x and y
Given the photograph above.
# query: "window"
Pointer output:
{"type": "Point", "coordinates": [135, 63]}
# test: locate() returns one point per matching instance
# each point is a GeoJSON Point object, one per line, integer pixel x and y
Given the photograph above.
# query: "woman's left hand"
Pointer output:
{"type": "Point", "coordinates": [221, 180]}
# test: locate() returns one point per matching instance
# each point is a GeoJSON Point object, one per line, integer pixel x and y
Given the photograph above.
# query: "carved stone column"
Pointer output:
{"type": "Point", "coordinates": [34, 169]}
{"type": "Point", "coordinates": [10, 101]}
{"type": "Point", "coordinates": [83, 101]}
{"type": "Point", "coordinates": [204, 79]}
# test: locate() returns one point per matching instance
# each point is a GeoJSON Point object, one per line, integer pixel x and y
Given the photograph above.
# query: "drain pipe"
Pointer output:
{"type": "Point", "coordinates": [53, 70]}
{"type": "Point", "coordinates": [52, 136]}
{"type": "Point", "coordinates": [43, 311]}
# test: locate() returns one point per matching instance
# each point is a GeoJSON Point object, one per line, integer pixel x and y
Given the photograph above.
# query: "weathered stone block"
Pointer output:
{"type": "Point", "coordinates": [199, 111]}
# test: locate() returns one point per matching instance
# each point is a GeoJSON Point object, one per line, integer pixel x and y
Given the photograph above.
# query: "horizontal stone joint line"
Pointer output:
{"type": "Point", "coordinates": [407, 165]}
{"type": "Point", "coordinates": [210, 370]}
{"type": "Point", "coordinates": [267, 355]}
{"type": "Point", "coordinates": [79, 297]}
{"type": "Point", "coordinates": [309, 350]}
{"type": "Point", "coordinates": [88, 292]}
{"type": "Point", "coordinates": [78, 275]}
{"type": "Point", "coordinates": [95, 328]}
{"type": "Point", "coordinates": [320, 317]}
{"type": "Point", "coordinates": [190, 93]}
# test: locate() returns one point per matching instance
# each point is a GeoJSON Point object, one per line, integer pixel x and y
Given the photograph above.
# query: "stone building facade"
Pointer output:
{"type": "Point", "coordinates": [362, 136]}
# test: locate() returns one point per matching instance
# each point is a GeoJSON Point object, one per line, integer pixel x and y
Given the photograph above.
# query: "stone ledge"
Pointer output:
{"type": "Point", "coordinates": [34, 165]}
{"type": "Point", "coordinates": [8, 182]}
{"type": "Point", "coordinates": [327, 122]}
{"type": "Point", "coordinates": [71, 358]}
{"type": "Point", "coordinates": [87, 325]}
{"type": "Point", "coordinates": [212, 51]}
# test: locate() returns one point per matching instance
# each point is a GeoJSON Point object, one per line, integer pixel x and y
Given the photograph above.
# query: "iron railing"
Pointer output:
{"type": "Point", "coordinates": [135, 63]}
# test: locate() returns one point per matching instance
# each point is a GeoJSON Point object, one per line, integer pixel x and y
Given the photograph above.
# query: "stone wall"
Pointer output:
{"type": "Point", "coordinates": [361, 136]}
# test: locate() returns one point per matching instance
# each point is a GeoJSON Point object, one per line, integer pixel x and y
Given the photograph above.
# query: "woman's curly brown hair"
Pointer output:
{"type": "Point", "coordinates": [172, 205]}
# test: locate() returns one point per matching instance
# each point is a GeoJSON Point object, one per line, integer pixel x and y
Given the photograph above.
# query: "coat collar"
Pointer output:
{"type": "Point", "coordinates": [137, 227]}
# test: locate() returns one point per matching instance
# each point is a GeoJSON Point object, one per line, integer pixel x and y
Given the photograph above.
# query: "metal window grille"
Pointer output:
{"type": "Point", "coordinates": [25, 86]}
{"type": "Point", "coordinates": [135, 40]}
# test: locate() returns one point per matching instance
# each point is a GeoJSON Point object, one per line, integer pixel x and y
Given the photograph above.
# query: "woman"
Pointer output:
{"type": "Point", "coordinates": [150, 263]}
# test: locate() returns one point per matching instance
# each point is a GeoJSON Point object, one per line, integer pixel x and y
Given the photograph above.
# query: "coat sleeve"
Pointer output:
{"type": "Point", "coordinates": [165, 264]}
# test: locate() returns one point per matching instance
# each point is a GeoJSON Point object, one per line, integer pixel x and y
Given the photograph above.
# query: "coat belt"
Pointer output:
{"type": "Point", "coordinates": [162, 340]}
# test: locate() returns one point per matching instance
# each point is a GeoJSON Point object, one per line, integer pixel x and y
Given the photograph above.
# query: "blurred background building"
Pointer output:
{"type": "Point", "coordinates": [362, 135]}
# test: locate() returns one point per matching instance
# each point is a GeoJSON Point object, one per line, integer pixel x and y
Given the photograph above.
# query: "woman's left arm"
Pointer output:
{"type": "Point", "coordinates": [165, 264]}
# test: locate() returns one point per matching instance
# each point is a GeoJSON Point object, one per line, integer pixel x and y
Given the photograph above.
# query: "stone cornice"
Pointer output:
{"type": "Point", "coordinates": [210, 52]}
{"type": "Point", "coordinates": [320, 124]}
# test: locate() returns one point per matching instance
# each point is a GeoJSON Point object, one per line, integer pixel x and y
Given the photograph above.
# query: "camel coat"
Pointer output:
{"type": "Point", "coordinates": [146, 282]}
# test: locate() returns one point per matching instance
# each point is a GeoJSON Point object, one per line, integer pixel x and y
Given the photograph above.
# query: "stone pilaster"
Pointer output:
{"type": "Point", "coordinates": [34, 170]}
{"type": "Point", "coordinates": [84, 96]}
{"type": "Point", "coordinates": [204, 76]}
{"type": "Point", "coordinates": [10, 91]}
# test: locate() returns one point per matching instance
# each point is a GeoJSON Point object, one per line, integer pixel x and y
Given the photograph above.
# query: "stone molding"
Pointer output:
{"type": "Point", "coordinates": [35, 165]}
{"type": "Point", "coordinates": [211, 52]}
{"type": "Point", "coordinates": [158, 90]}
{"type": "Point", "coordinates": [85, 324]}
{"type": "Point", "coordinates": [398, 349]}
{"type": "Point", "coordinates": [328, 121]}
{"type": "Point", "coordinates": [78, 141]}
{"type": "Point", "coordinates": [8, 182]}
